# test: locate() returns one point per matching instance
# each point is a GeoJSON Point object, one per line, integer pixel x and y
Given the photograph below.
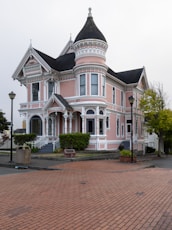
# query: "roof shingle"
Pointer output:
{"type": "Point", "coordinates": [90, 30]}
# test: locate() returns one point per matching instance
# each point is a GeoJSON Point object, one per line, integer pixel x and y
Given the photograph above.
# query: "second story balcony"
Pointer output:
{"type": "Point", "coordinates": [32, 105]}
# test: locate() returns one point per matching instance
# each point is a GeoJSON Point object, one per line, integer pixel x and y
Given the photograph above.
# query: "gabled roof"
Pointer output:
{"type": "Point", "coordinates": [30, 53]}
{"type": "Point", "coordinates": [63, 101]}
{"type": "Point", "coordinates": [64, 62]}
{"type": "Point", "coordinates": [90, 30]}
{"type": "Point", "coordinates": [59, 100]}
{"type": "Point", "coordinates": [128, 77]}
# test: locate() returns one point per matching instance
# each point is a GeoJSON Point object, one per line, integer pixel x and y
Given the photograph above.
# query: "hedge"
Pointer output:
{"type": "Point", "coordinates": [20, 139]}
{"type": "Point", "coordinates": [77, 141]}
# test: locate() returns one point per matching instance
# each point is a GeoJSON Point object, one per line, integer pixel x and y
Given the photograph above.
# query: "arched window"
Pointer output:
{"type": "Point", "coordinates": [90, 111]}
{"type": "Point", "coordinates": [36, 125]}
{"type": "Point", "coordinates": [90, 123]}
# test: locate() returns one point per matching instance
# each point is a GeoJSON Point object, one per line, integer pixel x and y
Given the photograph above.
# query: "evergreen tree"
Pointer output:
{"type": "Point", "coordinates": [3, 122]}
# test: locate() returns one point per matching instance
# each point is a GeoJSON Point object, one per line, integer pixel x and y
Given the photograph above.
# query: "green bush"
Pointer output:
{"type": "Point", "coordinates": [77, 141]}
{"type": "Point", "coordinates": [21, 139]}
{"type": "Point", "coordinates": [125, 152]}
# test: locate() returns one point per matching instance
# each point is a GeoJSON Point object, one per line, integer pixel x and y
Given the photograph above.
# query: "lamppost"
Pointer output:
{"type": "Point", "coordinates": [11, 96]}
{"type": "Point", "coordinates": [131, 100]}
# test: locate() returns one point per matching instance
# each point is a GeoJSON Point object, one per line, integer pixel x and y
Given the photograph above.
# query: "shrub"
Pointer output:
{"type": "Point", "coordinates": [21, 139]}
{"type": "Point", "coordinates": [77, 141]}
{"type": "Point", "coordinates": [125, 152]}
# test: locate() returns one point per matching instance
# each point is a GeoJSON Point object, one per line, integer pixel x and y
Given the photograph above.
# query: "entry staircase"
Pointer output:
{"type": "Point", "coordinates": [46, 144]}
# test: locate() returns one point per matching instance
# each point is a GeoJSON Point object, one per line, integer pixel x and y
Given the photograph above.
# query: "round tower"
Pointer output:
{"type": "Point", "coordinates": [90, 44]}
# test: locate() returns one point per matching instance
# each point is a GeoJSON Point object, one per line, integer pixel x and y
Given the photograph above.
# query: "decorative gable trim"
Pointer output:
{"type": "Point", "coordinates": [68, 48]}
{"type": "Point", "coordinates": [143, 82]}
{"type": "Point", "coordinates": [62, 104]}
{"type": "Point", "coordinates": [23, 65]}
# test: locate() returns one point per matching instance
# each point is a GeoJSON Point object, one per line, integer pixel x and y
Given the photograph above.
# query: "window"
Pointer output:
{"type": "Point", "coordinates": [82, 85]}
{"type": "Point", "coordinates": [103, 86]}
{"type": "Point", "coordinates": [50, 88]}
{"type": "Point", "coordinates": [90, 126]}
{"type": "Point", "coordinates": [49, 126]}
{"type": "Point", "coordinates": [136, 127]}
{"type": "Point", "coordinates": [101, 126]}
{"type": "Point", "coordinates": [101, 112]}
{"type": "Point", "coordinates": [122, 130]}
{"type": "Point", "coordinates": [94, 84]}
{"type": "Point", "coordinates": [36, 125]}
{"type": "Point", "coordinates": [35, 91]}
{"type": "Point", "coordinates": [90, 111]}
{"type": "Point", "coordinates": [107, 122]}
{"type": "Point", "coordinates": [113, 95]}
{"type": "Point", "coordinates": [122, 98]}
{"type": "Point", "coordinates": [128, 128]}
{"type": "Point", "coordinates": [117, 127]}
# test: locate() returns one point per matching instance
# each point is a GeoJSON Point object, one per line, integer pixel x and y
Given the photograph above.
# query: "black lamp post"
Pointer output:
{"type": "Point", "coordinates": [11, 96]}
{"type": "Point", "coordinates": [131, 100]}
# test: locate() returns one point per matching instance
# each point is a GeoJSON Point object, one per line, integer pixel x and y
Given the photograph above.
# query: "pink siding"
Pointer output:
{"type": "Point", "coordinates": [90, 60]}
{"type": "Point", "coordinates": [67, 88]}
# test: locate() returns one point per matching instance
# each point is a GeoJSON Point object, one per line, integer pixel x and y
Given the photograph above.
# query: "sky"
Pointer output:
{"type": "Point", "coordinates": [138, 33]}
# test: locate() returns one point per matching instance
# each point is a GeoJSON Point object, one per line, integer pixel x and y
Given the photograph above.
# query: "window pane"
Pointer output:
{"type": "Point", "coordinates": [103, 86]}
{"type": "Point", "coordinates": [122, 98]}
{"type": "Point", "coordinates": [90, 111]}
{"type": "Point", "coordinates": [90, 126]}
{"type": "Point", "coordinates": [117, 127]}
{"type": "Point", "coordinates": [113, 95]}
{"type": "Point", "coordinates": [94, 84]}
{"type": "Point", "coordinates": [82, 84]}
{"type": "Point", "coordinates": [107, 122]}
{"type": "Point", "coordinates": [50, 88]}
{"type": "Point", "coordinates": [101, 126]}
{"type": "Point", "coordinates": [35, 91]}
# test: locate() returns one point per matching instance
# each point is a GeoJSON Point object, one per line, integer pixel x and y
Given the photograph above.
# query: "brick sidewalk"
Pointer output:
{"type": "Point", "coordinates": [94, 195]}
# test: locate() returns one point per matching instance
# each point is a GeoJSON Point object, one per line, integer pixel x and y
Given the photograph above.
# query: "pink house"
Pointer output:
{"type": "Point", "coordinates": [79, 92]}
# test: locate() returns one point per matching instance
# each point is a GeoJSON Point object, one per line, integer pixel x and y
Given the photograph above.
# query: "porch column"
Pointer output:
{"type": "Point", "coordinates": [83, 120]}
{"type": "Point", "coordinates": [65, 122]}
{"type": "Point", "coordinates": [53, 126]}
{"type": "Point", "coordinates": [27, 124]}
{"type": "Point", "coordinates": [70, 122]}
{"type": "Point", "coordinates": [43, 126]}
{"type": "Point", "coordinates": [46, 132]}
{"type": "Point", "coordinates": [97, 120]}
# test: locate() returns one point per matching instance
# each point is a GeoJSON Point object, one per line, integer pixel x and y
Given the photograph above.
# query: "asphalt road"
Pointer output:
{"type": "Point", "coordinates": [7, 170]}
{"type": "Point", "coordinates": [164, 162]}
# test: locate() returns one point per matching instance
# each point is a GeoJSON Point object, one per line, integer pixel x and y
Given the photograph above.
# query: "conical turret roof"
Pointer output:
{"type": "Point", "coordinates": [90, 30]}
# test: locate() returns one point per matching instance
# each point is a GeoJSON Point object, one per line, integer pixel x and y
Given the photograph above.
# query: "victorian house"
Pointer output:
{"type": "Point", "coordinates": [79, 92]}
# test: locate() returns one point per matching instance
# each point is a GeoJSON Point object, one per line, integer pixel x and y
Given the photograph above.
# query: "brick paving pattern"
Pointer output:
{"type": "Point", "coordinates": [88, 195]}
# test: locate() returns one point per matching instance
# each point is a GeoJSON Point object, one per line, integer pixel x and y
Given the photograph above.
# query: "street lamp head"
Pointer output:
{"type": "Point", "coordinates": [131, 99]}
{"type": "Point", "coordinates": [12, 95]}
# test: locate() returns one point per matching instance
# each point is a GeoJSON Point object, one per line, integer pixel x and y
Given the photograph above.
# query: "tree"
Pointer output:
{"type": "Point", "coordinates": [3, 122]}
{"type": "Point", "coordinates": [158, 119]}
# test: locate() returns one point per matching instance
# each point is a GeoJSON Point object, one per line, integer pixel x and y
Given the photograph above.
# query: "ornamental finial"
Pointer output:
{"type": "Point", "coordinates": [89, 12]}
